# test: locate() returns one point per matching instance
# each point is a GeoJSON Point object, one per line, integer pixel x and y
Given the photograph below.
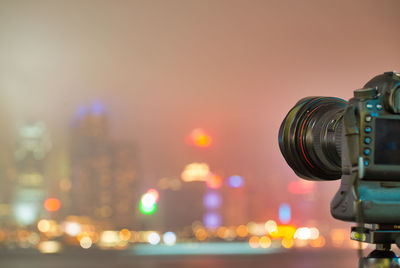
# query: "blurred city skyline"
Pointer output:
{"type": "Point", "coordinates": [164, 68]}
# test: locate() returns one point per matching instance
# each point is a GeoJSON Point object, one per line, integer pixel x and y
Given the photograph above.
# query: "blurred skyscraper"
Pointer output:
{"type": "Point", "coordinates": [7, 171]}
{"type": "Point", "coordinates": [103, 173]}
{"type": "Point", "coordinates": [32, 146]}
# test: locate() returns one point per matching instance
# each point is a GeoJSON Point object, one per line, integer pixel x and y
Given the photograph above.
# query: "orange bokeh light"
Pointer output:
{"type": "Point", "coordinates": [198, 137]}
{"type": "Point", "coordinates": [52, 204]}
{"type": "Point", "coordinates": [214, 181]}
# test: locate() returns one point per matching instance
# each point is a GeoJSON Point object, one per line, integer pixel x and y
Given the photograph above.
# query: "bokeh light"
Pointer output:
{"type": "Point", "coordinates": [303, 233]}
{"type": "Point", "coordinates": [169, 238]}
{"type": "Point", "coordinates": [52, 204]}
{"type": "Point", "coordinates": [214, 181]}
{"type": "Point", "coordinates": [235, 181]}
{"type": "Point", "coordinates": [72, 228]}
{"type": "Point", "coordinates": [201, 234]}
{"type": "Point", "coordinates": [271, 226]}
{"type": "Point", "coordinates": [43, 226]}
{"type": "Point", "coordinates": [49, 247]}
{"type": "Point", "coordinates": [254, 241]}
{"type": "Point", "coordinates": [125, 234]}
{"type": "Point", "coordinates": [85, 242]}
{"type": "Point", "coordinates": [301, 187]}
{"type": "Point", "coordinates": [148, 200]}
{"type": "Point", "coordinates": [242, 231]}
{"type": "Point", "coordinates": [318, 242]}
{"type": "Point", "coordinates": [212, 220]}
{"type": "Point", "coordinates": [285, 213]}
{"type": "Point", "coordinates": [338, 236]}
{"type": "Point", "coordinates": [314, 233]}
{"type": "Point", "coordinates": [147, 209]}
{"type": "Point", "coordinates": [195, 172]}
{"type": "Point", "coordinates": [154, 193]}
{"type": "Point", "coordinates": [287, 243]}
{"type": "Point", "coordinates": [212, 200]}
{"type": "Point", "coordinates": [265, 242]}
{"type": "Point", "coordinates": [153, 238]}
{"type": "Point", "coordinates": [199, 138]}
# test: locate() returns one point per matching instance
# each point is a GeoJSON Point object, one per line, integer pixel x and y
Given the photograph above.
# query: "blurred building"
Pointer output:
{"type": "Point", "coordinates": [181, 203]}
{"type": "Point", "coordinates": [235, 206]}
{"type": "Point", "coordinates": [103, 173]}
{"type": "Point", "coordinates": [7, 171]}
{"type": "Point", "coordinates": [32, 146]}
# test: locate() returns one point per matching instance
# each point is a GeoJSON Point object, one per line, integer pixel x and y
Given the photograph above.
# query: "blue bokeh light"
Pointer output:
{"type": "Point", "coordinates": [235, 181]}
{"type": "Point", "coordinates": [212, 200]}
{"type": "Point", "coordinates": [285, 213]}
{"type": "Point", "coordinates": [212, 220]}
{"type": "Point", "coordinates": [97, 108]}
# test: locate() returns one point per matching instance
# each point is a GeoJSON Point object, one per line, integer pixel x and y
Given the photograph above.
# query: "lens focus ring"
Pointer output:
{"type": "Point", "coordinates": [308, 138]}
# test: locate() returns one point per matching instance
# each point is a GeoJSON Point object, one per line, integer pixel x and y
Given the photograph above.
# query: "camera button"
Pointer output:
{"type": "Point", "coordinates": [367, 151]}
{"type": "Point", "coordinates": [367, 140]}
{"type": "Point", "coordinates": [368, 118]}
{"type": "Point", "coordinates": [369, 105]}
{"type": "Point", "coordinates": [379, 107]}
{"type": "Point", "coordinates": [367, 129]}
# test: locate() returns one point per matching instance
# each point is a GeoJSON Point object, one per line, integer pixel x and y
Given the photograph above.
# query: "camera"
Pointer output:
{"type": "Point", "coordinates": [357, 141]}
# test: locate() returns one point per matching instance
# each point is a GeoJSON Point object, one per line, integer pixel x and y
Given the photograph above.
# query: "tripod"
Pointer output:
{"type": "Point", "coordinates": [383, 236]}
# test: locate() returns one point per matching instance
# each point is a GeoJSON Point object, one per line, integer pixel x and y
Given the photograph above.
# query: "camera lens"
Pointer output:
{"type": "Point", "coordinates": [310, 138]}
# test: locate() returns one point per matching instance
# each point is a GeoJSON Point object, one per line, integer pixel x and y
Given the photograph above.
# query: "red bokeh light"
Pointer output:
{"type": "Point", "coordinates": [154, 193]}
{"type": "Point", "coordinates": [52, 204]}
{"type": "Point", "coordinates": [301, 187]}
{"type": "Point", "coordinates": [214, 181]}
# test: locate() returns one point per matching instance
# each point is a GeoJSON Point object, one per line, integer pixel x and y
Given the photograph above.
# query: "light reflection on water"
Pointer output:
{"type": "Point", "coordinates": [294, 258]}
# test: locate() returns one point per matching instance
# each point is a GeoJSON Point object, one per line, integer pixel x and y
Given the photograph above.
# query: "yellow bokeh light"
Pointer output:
{"type": "Point", "coordinates": [265, 242]}
{"type": "Point", "coordinates": [195, 172]}
{"type": "Point", "coordinates": [50, 247]}
{"type": "Point", "coordinates": [287, 243]}
{"type": "Point", "coordinates": [271, 226]}
{"type": "Point", "coordinates": [44, 226]}
{"type": "Point", "coordinates": [283, 231]}
{"type": "Point", "coordinates": [85, 242]}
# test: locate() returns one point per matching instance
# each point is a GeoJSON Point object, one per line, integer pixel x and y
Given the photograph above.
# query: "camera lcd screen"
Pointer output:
{"type": "Point", "coordinates": [387, 142]}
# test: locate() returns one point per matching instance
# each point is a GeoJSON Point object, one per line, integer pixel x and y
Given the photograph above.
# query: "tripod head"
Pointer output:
{"type": "Point", "coordinates": [383, 236]}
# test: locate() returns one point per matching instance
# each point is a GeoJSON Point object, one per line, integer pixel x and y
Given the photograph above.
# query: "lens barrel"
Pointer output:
{"type": "Point", "coordinates": [310, 138]}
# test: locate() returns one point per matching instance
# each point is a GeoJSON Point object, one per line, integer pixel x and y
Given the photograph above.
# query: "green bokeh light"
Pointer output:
{"type": "Point", "coordinates": [147, 209]}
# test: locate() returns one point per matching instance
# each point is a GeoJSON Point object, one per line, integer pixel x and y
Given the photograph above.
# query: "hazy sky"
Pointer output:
{"type": "Point", "coordinates": [163, 67]}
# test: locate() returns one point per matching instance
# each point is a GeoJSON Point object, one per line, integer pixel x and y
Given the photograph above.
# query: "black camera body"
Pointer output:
{"type": "Point", "coordinates": [324, 138]}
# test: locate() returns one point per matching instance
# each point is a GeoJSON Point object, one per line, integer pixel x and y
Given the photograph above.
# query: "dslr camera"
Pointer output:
{"type": "Point", "coordinates": [357, 141]}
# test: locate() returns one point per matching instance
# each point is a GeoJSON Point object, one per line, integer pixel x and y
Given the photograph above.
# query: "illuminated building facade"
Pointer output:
{"type": "Point", "coordinates": [33, 145]}
{"type": "Point", "coordinates": [103, 179]}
